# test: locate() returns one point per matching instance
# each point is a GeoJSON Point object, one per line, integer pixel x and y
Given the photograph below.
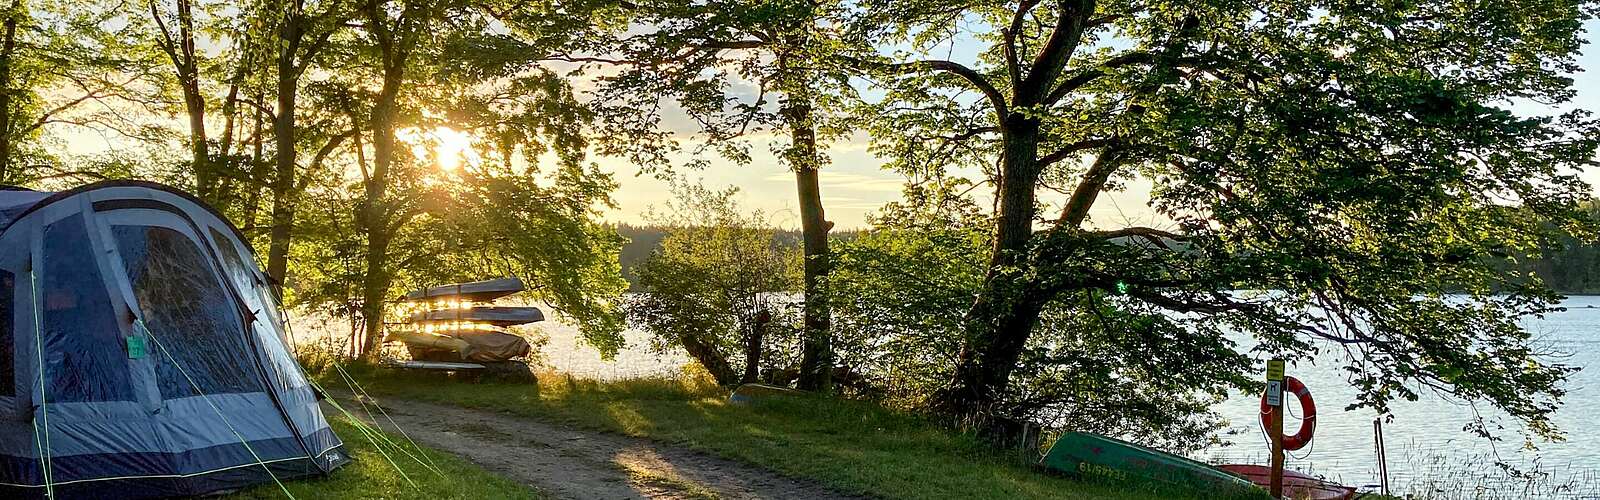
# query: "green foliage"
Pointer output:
{"type": "Point", "coordinates": [548, 235]}
{"type": "Point", "coordinates": [1358, 160]}
{"type": "Point", "coordinates": [718, 274]}
{"type": "Point", "coordinates": [700, 60]}
{"type": "Point", "coordinates": [1095, 363]}
{"type": "Point", "coordinates": [522, 201]}
{"type": "Point", "coordinates": [75, 70]}
{"type": "Point", "coordinates": [898, 292]}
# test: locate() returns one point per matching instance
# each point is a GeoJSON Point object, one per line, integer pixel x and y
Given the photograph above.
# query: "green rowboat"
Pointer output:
{"type": "Point", "coordinates": [1096, 456]}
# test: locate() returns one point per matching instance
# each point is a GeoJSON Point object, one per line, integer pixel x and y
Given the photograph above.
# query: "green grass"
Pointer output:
{"type": "Point", "coordinates": [371, 476]}
{"type": "Point", "coordinates": [854, 447]}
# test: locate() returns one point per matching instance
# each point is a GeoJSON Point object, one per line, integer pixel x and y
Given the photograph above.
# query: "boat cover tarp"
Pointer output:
{"type": "Point", "coordinates": [472, 345]}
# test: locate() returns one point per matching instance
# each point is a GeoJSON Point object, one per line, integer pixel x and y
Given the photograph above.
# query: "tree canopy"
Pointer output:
{"type": "Point", "coordinates": [1353, 182]}
{"type": "Point", "coordinates": [1358, 161]}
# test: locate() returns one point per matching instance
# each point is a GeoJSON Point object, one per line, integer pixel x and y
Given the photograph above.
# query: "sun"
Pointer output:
{"type": "Point", "coordinates": [451, 146]}
{"type": "Point", "coordinates": [448, 147]}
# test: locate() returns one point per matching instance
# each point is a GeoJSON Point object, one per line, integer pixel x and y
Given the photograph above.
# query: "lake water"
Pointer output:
{"type": "Point", "coordinates": [1427, 448]}
{"type": "Point", "coordinates": [1425, 441]}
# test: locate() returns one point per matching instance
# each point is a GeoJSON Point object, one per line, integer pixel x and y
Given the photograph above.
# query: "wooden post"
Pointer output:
{"type": "Point", "coordinates": [1275, 374]}
{"type": "Point", "coordinates": [1276, 431]}
{"type": "Point", "coordinates": [1383, 457]}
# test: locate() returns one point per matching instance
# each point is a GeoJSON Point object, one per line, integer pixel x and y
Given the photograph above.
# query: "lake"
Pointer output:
{"type": "Point", "coordinates": [1425, 440]}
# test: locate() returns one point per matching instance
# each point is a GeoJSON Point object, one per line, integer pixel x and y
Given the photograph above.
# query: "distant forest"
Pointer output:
{"type": "Point", "coordinates": [1573, 270]}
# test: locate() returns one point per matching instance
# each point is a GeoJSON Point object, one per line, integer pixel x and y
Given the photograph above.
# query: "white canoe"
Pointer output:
{"type": "Point", "coordinates": [434, 365]}
{"type": "Point", "coordinates": [477, 291]}
{"type": "Point", "coordinates": [498, 316]}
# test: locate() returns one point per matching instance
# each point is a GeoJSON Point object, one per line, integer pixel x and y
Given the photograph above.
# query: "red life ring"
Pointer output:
{"type": "Point", "coordinates": [1308, 423]}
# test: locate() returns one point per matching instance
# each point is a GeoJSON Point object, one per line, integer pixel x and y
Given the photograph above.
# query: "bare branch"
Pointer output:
{"type": "Point", "coordinates": [973, 78]}
{"type": "Point", "coordinates": [1071, 149]}
{"type": "Point", "coordinates": [1083, 77]}
{"type": "Point", "coordinates": [1094, 180]}
{"type": "Point", "coordinates": [1013, 66]}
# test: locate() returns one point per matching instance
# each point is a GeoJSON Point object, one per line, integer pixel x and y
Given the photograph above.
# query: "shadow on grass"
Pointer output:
{"type": "Point", "coordinates": [371, 475]}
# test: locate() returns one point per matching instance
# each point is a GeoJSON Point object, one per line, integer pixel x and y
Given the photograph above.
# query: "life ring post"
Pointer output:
{"type": "Point", "coordinates": [1272, 411]}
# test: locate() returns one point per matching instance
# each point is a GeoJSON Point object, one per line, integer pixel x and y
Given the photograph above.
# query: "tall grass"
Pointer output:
{"type": "Point", "coordinates": [1445, 475]}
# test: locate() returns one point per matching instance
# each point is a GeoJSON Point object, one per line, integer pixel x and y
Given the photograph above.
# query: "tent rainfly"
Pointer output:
{"type": "Point", "coordinates": [142, 353]}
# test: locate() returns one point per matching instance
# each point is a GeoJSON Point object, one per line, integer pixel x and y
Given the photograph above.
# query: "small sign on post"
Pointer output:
{"type": "Point", "coordinates": [1275, 383]}
{"type": "Point", "coordinates": [1274, 399]}
{"type": "Point", "coordinates": [1275, 370]}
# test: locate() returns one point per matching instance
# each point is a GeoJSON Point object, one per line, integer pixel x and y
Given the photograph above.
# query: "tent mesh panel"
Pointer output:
{"type": "Point", "coordinates": [184, 303]}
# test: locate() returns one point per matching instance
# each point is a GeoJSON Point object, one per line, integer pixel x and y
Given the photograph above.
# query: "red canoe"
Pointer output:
{"type": "Point", "coordinates": [1295, 485]}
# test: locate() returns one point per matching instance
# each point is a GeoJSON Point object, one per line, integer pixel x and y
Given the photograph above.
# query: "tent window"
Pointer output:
{"type": "Point", "coordinates": [259, 297]}
{"type": "Point", "coordinates": [83, 359]}
{"type": "Point", "coordinates": [187, 310]}
{"type": "Point", "coordinates": [243, 279]}
{"type": "Point", "coordinates": [8, 359]}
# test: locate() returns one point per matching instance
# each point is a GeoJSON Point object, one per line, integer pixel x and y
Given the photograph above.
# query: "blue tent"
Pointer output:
{"type": "Point", "coordinates": [165, 367]}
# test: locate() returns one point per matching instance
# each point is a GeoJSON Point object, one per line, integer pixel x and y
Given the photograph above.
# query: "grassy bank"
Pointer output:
{"type": "Point", "coordinates": [370, 475]}
{"type": "Point", "coordinates": [851, 446]}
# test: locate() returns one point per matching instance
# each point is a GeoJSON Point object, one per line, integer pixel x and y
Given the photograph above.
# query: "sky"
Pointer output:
{"type": "Point", "coordinates": [854, 185]}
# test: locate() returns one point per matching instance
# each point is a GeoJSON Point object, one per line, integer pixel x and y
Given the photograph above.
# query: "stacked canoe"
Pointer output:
{"type": "Point", "coordinates": [454, 323]}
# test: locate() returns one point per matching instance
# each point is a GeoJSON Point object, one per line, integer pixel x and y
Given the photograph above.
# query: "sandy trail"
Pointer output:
{"type": "Point", "coordinates": [573, 463]}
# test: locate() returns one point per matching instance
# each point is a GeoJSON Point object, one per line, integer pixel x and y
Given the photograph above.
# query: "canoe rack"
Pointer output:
{"type": "Point", "coordinates": [456, 327]}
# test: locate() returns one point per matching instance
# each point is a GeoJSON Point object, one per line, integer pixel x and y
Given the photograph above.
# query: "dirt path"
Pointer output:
{"type": "Point", "coordinates": [579, 464]}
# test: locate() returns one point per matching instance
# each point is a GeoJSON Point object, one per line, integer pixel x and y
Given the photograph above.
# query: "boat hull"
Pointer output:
{"type": "Point", "coordinates": [498, 316]}
{"type": "Point", "coordinates": [480, 346]}
{"type": "Point", "coordinates": [477, 291]}
{"type": "Point", "coordinates": [1295, 484]}
{"type": "Point", "coordinates": [1093, 455]}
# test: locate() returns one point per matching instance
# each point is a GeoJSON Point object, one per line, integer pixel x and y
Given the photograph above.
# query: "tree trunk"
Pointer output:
{"type": "Point", "coordinates": [252, 203]}
{"type": "Point", "coordinates": [226, 190]}
{"type": "Point", "coordinates": [195, 105]}
{"type": "Point", "coordinates": [5, 94]}
{"type": "Point", "coordinates": [816, 361]}
{"type": "Point", "coordinates": [376, 218]}
{"type": "Point", "coordinates": [712, 360]}
{"type": "Point", "coordinates": [754, 338]}
{"type": "Point", "coordinates": [194, 102]}
{"type": "Point", "coordinates": [374, 292]}
{"type": "Point", "coordinates": [998, 324]}
{"type": "Point", "coordinates": [283, 133]}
